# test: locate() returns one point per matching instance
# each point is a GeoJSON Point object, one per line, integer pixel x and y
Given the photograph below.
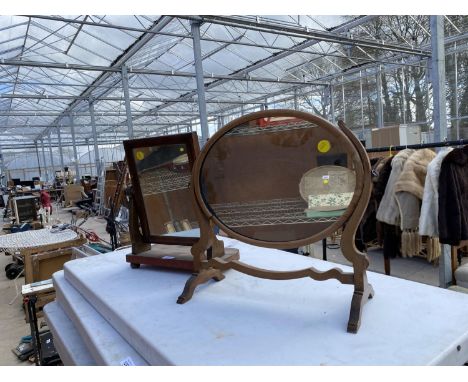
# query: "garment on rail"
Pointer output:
{"type": "Point", "coordinates": [388, 211]}
{"type": "Point", "coordinates": [428, 220]}
{"type": "Point", "coordinates": [409, 190]}
{"type": "Point", "coordinates": [367, 230]}
{"type": "Point", "coordinates": [453, 197]}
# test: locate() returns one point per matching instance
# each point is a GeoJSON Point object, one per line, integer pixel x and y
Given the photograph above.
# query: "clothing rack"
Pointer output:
{"type": "Point", "coordinates": [458, 142]}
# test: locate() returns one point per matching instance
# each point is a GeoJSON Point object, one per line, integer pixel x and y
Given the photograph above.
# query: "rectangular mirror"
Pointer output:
{"type": "Point", "coordinates": [161, 170]}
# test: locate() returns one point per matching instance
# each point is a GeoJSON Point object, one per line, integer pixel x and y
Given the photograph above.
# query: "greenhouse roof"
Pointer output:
{"type": "Point", "coordinates": [52, 68]}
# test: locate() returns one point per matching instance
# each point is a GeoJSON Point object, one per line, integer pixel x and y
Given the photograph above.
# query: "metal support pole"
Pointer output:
{"type": "Point", "coordinates": [343, 98]}
{"type": "Point", "coordinates": [403, 91]}
{"type": "Point", "coordinates": [362, 106]}
{"type": "Point", "coordinates": [128, 108]}
{"type": "Point", "coordinates": [295, 99]}
{"type": "Point", "coordinates": [332, 104]}
{"type": "Point", "coordinates": [220, 122]}
{"type": "Point", "coordinates": [195, 26]}
{"type": "Point", "coordinates": [440, 120]}
{"type": "Point", "coordinates": [46, 173]}
{"type": "Point", "coordinates": [75, 154]}
{"type": "Point", "coordinates": [438, 78]}
{"type": "Point", "coordinates": [380, 122]}
{"type": "Point", "coordinates": [38, 161]}
{"type": "Point", "coordinates": [457, 121]}
{"type": "Point", "coordinates": [2, 165]}
{"type": "Point", "coordinates": [428, 80]}
{"type": "Point", "coordinates": [96, 147]}
{"type": "Point", "coordinates": [89, 156]}
{"type": "Point", "coordinates": [51, 158]}
{"type": "Point", "coordinates": [59, 135]}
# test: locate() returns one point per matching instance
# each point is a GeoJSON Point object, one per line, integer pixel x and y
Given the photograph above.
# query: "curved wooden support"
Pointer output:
{"type": "Point", "coordinates": [350, 252]}
{"type": "Point", "coordinates": [196, 279]}
{"type": "Point", "coordinates": [357, 305]}
{"type": "Point", "coordinates": [363, 291]}
{"type": "Point", "coordinates": [334, 273]}
{"type": "Point", "coordinates": [207, 236]}
{"type": "Point", "coordinates": [138, 245]}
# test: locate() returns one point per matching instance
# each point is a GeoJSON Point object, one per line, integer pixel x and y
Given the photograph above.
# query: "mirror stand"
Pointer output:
{"type": "Point", "coordinates": [244, 213]}
{"type": "Point", "coordinates": [204, 251]}
{"type": "Point", "coordinates": [213, 268]}
{"type": "Point", "coordinates": [163, 225]}
{"type": "Point", "coordinates": [162, 255]}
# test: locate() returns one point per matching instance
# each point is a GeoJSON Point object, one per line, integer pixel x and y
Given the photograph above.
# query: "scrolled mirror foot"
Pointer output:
{"type": "Point", "coordinates": [196, 279]}
{"type": "Point", "coordinates": [357, 304]}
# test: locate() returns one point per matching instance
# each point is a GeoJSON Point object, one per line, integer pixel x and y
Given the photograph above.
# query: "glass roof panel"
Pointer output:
{"type": "Point", "coordinates": [226, 50]}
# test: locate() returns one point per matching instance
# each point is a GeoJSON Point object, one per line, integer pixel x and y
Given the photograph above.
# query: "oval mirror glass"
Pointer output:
{"type": "Point", "coordinates": [279, 179]}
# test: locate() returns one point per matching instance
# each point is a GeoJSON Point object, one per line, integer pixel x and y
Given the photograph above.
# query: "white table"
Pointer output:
{"type": "Point", "coordinates": [249, 321]}
{"type": "Point", "coordinates": [67, 341]}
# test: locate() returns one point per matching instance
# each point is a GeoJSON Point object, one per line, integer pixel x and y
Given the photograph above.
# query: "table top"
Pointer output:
{"type": "Point", "coordinates": [34, 238]}
{"type": "Point", "coordinates": [244, 320]}
{"type": "Point", "coordinates": [37, 287]}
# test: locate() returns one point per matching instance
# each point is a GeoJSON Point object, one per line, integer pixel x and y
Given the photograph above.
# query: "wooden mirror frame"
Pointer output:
{"type": "Point", "coordinates": [349, 220]}
{"type": "Point", "coordinates": [193, 149]}
{"type": "Point", "coordinates": [171, 251]}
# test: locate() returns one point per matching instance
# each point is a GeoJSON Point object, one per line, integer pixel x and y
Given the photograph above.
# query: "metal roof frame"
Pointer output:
{"type": "Point", "coordinates": [40, 87]}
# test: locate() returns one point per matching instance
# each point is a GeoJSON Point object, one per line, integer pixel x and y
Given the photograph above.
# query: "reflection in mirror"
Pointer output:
{"type": "Point", "coordinates": [278, 179]}
{"type": "Point", "coordinates": [164, 174]}
{"type": "Point", "coordinates": [328, 191]}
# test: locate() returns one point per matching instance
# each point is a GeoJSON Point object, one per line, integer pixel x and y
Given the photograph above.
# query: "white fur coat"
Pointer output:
{"type": "Point", "coordinates": [388, 211]}
{"type": "Point", "coordinates": [428, 220]}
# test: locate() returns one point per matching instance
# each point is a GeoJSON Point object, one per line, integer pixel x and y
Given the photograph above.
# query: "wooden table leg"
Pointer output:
{"type": "Point", "coordinates": [454, 260]}
{"type": "Point", "coordinates": [387, 265]}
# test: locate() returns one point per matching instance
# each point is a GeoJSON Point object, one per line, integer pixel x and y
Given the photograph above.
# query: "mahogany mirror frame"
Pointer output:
{"type": "Point", "coordinates": [193, 149]}
{"type": "Point", "coordinates": [349, 220]}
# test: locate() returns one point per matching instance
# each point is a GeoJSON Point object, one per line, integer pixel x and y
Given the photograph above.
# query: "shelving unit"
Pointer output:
{"type": "Point", "coordinates": [266, 212]}
{"type": "Point", "coordinates": [161, 180]}
{"type": "Point", "coordinates": [285, 125]}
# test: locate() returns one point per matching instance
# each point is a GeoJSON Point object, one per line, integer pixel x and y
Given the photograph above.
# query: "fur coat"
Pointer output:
{"type": "Point", "coordinates": [428, 224]}
{"type": "Point", "coordinates": [369, 229]}
{"type": "Point", "coordinates": [388, 211]}
{"type": "Point", "coordinates": [409, 190]}
{"type": "Point", "coordinates": [453, 197]}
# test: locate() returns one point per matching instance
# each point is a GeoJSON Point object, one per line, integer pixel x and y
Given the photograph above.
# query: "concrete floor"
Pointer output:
{"type": "Point", "coordinates": [13, 325]}
{"type": "Point", "coordinates": [12, 319]}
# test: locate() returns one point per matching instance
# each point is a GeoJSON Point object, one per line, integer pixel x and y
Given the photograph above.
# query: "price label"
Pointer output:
{"type": "Point", "coordinates": [127, 362]}
{"type": "Point", "coordinates": [140, 155]}
{"type": "Point", "coordinates": [324, 146]}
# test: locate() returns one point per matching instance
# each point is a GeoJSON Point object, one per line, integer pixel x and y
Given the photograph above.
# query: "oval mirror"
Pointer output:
{"type": "Point", "coordinates": [278, 178]}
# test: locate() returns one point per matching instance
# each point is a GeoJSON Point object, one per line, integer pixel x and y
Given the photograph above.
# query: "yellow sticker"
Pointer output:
{"type": "Point", "coordinates": [325, 181]}
{"type": "Point", "coordinates": [324, 146]}
{"type": "Point", "coordinates": [139, 155]}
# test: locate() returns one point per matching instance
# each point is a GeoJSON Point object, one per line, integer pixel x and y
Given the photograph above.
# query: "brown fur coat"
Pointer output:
{"type": "Point", "coordinates": [409, 190]}
{"type": "Point", "coordinates": [453, 197]}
